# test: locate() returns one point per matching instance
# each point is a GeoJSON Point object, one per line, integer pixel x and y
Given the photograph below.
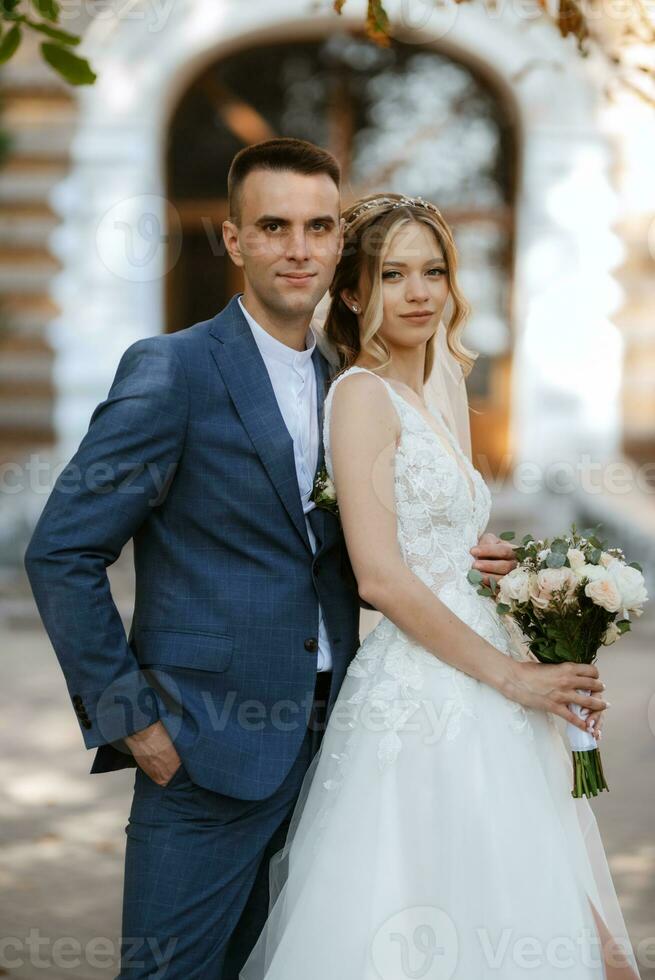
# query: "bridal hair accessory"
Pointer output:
{"type": "Point", "coordinates": [402, 202]}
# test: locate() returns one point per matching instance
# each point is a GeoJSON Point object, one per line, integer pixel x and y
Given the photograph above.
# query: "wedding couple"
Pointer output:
{"type": "Point", "coordinates": [414, 790]}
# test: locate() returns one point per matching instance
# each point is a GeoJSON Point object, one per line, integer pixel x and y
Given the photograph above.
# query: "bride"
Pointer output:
{"type": "Point", "coordinates": [435, 835]}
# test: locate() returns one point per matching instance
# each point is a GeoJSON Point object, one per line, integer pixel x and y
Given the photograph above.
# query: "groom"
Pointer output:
{"type": "Point", "coordinates": [246, 611]}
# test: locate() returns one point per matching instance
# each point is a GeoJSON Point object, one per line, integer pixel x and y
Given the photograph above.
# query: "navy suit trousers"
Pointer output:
{"type": "Point", "coordinates": [196, 888]}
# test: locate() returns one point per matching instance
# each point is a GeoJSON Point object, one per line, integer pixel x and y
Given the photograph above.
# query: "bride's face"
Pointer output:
{"type": "Point", "coordinates": [414, 286]}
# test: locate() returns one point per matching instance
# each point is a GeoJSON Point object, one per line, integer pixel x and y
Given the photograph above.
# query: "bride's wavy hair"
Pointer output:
{"type": "Point", "coordinates": [370, 224]}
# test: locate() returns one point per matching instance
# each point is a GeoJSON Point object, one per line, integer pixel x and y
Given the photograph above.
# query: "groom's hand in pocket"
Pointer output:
{"type": "Point", "coordinates": [154, 752]}
{"type": "Point", "coordinates": [493, 557]}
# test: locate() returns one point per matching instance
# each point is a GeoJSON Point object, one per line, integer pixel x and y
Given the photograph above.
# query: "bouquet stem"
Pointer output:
{"type": "Point", "coordinates": [588, 775]}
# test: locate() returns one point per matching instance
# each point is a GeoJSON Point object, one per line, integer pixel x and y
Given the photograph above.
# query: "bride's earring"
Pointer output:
{"type": "Point", "coordinates": [355, 309]}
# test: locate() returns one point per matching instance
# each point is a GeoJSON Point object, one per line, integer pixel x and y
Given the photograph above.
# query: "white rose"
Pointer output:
{"type": "Point", "coordinates": [604, 592]}
{"type": "Point", "coordinates": [576, 559]}
{"type": "Point", "coordinates": [630, 583]}
{"type": "Point", "coordinates": [551, 580]}
{"type": "Point", "coordinates": [606, 559]}
{"type": "Point", "coordinates": [592, 572]}
{"type": "Point", "coordinates": [611, 634]}
{"type": "Point", "coordinates": [515, 586]}
{"type": "Point", "coordinates": [329, 488]}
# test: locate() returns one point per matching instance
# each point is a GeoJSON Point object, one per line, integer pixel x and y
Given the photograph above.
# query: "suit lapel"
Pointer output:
{"type": "Point", "coordinates": [322, 383]}
{"type": "Point", "coordinates": [244, 372]}
{"type": "Point", "coordinates": [318, 517]}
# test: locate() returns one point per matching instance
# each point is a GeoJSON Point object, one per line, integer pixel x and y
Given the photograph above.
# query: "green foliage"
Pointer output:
{"type": "Point", "coordinates": [17, 16]}
{"type": "Point", "coordinates": [9, 43]}
{"type": "Point", "coordinates": [75, 70]}
{"type": "Point", "coordinates": [56, 33]}
{"type": "Point", "coordinates": [47, 8]}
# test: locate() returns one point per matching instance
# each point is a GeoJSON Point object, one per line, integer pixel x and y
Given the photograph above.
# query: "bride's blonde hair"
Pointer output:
{"type": "Point", "coordinates": [371, 223]}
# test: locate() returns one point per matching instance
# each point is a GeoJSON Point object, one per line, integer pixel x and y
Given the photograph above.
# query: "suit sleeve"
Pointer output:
{"type": "Point", "coordinates": [119, 474]}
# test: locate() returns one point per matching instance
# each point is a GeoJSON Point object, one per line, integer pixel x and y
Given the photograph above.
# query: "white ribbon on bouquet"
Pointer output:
{"type": "Point", "coordinates": [578, 740]}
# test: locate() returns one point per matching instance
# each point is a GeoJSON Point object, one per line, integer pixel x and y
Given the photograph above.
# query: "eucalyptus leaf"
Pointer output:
{"type": "Point", "coordinates": [507, 535]}
{"type": "Point", "coordinates": [555, 560]}
{"type": "Point", "coordinates": [474, 576]}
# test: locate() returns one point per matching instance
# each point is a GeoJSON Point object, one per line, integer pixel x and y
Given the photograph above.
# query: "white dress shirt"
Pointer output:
{"type": "Point", "coordinates": [294, 383]}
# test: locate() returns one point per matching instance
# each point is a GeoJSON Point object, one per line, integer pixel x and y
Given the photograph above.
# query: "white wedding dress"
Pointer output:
{"type": "Point", "coordinates": [435, 835]}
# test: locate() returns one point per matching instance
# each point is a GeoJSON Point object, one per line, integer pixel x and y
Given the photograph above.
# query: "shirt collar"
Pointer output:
{"type": "Point", "coordinates": [274, 348]}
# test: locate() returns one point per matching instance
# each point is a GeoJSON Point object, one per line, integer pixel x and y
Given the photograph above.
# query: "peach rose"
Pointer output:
{"type": "Point", "coordinates": [551, 580]}
{"type": "Point", "coordinates": [604, 592]}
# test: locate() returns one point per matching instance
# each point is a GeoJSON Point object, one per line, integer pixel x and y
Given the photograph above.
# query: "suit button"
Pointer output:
{"type": "Point", "coordinates": [317, 568]}
{"type": "Point", "coordinates": [311, 644]}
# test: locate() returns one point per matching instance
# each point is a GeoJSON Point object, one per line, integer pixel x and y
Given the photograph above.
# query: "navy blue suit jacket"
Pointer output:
{"type": "Point", "coordinates": [189, 456]}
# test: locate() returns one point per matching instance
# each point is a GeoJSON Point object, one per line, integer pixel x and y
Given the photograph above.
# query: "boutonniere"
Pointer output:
{"type": "Point", "coordinates": [324, 493]}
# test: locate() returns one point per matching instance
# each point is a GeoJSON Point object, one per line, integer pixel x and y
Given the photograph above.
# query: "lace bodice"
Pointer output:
{"type": "Point", "coordinates": [442, 502]}
{"type": "Point", "coordinates": [442, 507]}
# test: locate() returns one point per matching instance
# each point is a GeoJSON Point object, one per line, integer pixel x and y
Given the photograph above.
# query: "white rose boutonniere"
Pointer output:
{"type": "Point", "coordinates": [324, 493]}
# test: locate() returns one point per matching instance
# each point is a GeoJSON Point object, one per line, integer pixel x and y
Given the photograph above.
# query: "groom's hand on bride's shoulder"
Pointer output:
{"type": "Point", "coordinates": [154, 752]}
{"type": "Point", "coordinates": [493, 557]}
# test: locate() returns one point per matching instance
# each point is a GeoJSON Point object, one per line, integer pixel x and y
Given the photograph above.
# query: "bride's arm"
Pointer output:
{"type": "Point", "coordinates": [364, 429]}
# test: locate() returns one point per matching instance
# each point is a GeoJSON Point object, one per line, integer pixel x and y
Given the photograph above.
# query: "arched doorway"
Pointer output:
{"type": "Point", "coordinates": [408, 119]}
{"type": "Point", "coordinates": [560, 295]}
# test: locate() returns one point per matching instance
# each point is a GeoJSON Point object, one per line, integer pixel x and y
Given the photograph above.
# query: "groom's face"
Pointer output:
{"type": "Point", "coordinates": [288, 239]}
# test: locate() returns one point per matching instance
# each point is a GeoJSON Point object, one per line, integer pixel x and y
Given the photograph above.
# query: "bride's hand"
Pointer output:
{"type": "Point", "coordinates": [597, 718]}
{"type": "Point", "coordinates": [553, 687]}
{"type": "Point", "coordinates": [493, 557]}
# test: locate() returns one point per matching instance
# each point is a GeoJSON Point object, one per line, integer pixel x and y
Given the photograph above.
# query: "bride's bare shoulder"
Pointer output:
{"type": "Point", "coordinates": [361, 401]}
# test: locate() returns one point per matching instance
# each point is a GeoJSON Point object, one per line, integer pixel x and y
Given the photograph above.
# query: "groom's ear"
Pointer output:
{"type": "Point", "coordinates": [231, 239]}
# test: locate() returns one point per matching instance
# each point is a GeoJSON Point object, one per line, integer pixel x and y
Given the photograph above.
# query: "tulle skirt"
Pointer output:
{"type": "Point", "coordinates": [435, 836]}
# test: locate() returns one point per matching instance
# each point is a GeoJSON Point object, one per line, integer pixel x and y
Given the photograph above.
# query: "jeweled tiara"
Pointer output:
{"type": "Point", "coordinates": [416, 202]}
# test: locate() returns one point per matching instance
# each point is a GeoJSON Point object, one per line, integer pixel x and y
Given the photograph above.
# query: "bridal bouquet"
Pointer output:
{"type": "Point", "coordinates": [570, 596]}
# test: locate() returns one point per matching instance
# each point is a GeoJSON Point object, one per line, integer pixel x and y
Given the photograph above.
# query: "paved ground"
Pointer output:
{"type": "Point", "coordinates": [62, 837]}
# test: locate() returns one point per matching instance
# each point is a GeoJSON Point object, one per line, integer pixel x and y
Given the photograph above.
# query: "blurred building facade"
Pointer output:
{"type": "Point", "coordinates": [112, 200]}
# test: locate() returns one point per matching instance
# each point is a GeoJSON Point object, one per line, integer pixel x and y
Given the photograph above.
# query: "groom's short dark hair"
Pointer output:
{"type": "Point", "coordinates": [298, 156]}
